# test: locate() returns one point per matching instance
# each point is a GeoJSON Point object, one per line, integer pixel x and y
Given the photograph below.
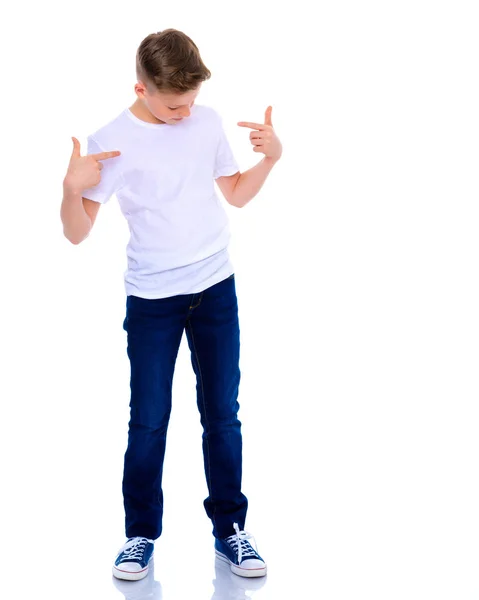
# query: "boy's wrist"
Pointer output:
{"type": "Point", "coordinates": [271, 160]}
{"type": "Point", "coordinates": [69, 188]}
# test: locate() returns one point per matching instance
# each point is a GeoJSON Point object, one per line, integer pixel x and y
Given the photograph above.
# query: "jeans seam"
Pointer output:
{"type": "Point", "coordinates": [206, 417]}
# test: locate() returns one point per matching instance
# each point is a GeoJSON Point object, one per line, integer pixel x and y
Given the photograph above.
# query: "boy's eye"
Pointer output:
{"type": "Point", "coordinates": [172, 108]}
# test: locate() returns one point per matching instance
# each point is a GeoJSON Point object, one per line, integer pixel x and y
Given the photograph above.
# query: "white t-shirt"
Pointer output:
{"type": "Point", "coordinates": [164, 183]}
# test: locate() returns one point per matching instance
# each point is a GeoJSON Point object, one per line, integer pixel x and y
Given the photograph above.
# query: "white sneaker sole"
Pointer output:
{"type": "Point", "coordinates": [131, 575]}
{"type": "Point", "coordinates": [238, 570]}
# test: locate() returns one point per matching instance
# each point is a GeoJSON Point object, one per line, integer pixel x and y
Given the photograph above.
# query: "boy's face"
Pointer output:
{"type": "Point", "coordinates": [170, 108]}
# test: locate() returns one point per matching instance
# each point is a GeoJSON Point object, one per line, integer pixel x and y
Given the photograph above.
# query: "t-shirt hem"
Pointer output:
{"type": "Point", "coordinates": [158, 295]}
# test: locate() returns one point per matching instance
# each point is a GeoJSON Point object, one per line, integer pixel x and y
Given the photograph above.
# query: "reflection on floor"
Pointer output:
{"type": "Point", "coordinates": [227, 585]}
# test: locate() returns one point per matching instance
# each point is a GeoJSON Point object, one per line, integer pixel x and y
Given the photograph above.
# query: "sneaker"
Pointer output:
{"type": "Point", "coordinates": [228, 586]}
{"type": "Point", "coordinates": [240, 555]}
{"type": "Point", "coordinates": [147, 588]}
{"type": "Point", "coordinates": [133, 558]}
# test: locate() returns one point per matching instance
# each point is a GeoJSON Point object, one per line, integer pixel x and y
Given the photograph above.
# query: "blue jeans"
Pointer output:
{"type": "Point", "coordinates": [155, 329]}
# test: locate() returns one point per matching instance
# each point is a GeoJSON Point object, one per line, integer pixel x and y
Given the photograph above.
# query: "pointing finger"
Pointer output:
{"type": "Point", "coordinates": [105, 155]}
{"type": "Point", "coordinates": [252, 125]}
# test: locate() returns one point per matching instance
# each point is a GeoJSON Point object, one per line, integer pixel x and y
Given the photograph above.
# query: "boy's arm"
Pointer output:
{"type": "Point", "coordinates": [240, 188]}
{"type": "Point", "coordinates": [227, 184]}
{"type": "Point", "coordinates": [265, 140]}
{"type": "Point", "coordinates": [75, 219]}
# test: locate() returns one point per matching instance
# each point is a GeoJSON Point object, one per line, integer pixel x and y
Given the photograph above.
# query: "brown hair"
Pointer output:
{"type": "Point", "coordinates": [169, 61]}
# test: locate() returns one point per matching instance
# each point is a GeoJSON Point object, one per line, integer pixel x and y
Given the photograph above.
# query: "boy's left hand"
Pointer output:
{"type": "Point", "coordinates": [264, 139]}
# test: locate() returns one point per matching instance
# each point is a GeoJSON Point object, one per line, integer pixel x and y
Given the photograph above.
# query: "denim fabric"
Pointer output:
{"type": "Point", "coordinates": [154, 331]}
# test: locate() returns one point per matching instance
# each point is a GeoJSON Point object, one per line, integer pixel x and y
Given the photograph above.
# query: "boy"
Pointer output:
{"type": "Point", "coordinates": [179, 278]}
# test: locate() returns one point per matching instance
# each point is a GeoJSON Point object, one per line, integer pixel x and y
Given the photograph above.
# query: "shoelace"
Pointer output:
{"type": "Point", "coordinates": [239, 544]}
{"type": "Point", "coordinates": [135, 548]}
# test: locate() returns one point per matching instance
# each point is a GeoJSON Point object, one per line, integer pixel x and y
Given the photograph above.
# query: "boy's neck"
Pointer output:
{"type": "Point", "coordinates": [139, 111]}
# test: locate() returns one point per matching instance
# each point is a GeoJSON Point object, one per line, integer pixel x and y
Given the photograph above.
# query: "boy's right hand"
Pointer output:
{"type": "Point", "coordinates": [84, 171]}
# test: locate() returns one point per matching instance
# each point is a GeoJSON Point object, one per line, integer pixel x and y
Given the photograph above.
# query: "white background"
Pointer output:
{"type": "Point", "coordinates": [357, 282]}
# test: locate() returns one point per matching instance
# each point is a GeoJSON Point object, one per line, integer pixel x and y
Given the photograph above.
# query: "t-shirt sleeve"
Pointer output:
{"type": "Point", "coordinates": [110, 175]}
{"type": "Point", "coordinates": [225, 163]}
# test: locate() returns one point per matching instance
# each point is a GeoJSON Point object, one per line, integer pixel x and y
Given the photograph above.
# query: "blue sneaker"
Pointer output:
{"type": "Point", "coordinates": [133, 558]}
{"type": "Point", "coordinates": [240, 555]}
{"type": "Point", "coordinates": [147, 588]}
{"type": "Point", "coordinates": [229, 586]}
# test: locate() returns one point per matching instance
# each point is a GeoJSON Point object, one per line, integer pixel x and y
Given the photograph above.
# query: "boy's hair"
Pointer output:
{"type": "Point", "coordinates": [169, 61]}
